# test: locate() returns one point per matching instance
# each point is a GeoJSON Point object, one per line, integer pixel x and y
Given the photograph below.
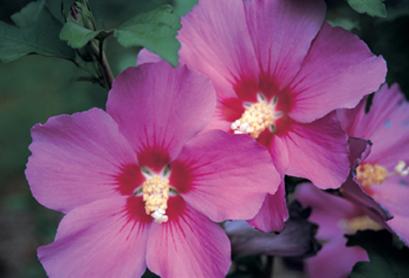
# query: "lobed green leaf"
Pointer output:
{"type": "Point", "coordinates": [76, 35]}
{"type": "Point", "coordinates": [36, 32]}
{"type": "Point", "coordinates": [155, 30]}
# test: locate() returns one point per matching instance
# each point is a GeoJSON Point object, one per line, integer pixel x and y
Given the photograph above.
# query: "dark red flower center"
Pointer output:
{"type": "Point", "coordinates": [260, 108]}
{"type": "Point", "coordinates": [153, 183]}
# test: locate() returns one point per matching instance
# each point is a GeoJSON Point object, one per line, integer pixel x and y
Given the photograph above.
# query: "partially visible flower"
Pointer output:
{"type": "Point", "coordinates": [295, 240]}
{"type": "Point", "coordinates": [382, 176]}
{"type": "Point", "coordinates": [279, 71]}
{"type": "Point", "coordinates": [336, 218]}
{"type": "Point", "coordinates": [140, 183]}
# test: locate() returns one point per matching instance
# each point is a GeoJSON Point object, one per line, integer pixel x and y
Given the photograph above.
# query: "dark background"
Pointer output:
{"type": "Point", "coordinates": [34, 88]}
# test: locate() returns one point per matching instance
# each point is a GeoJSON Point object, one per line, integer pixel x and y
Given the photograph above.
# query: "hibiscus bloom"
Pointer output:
{"type": "Point", "coordinates": [140, 183]}
{"type": "Point", "coordinates": [382, 176]}
{"type": "Point", "coordinates": [336, 220]}
{"type": "Point", "coordinates": [279, 70]}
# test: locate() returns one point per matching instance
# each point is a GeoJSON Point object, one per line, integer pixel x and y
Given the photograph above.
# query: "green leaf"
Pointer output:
{"type": "Point", "coordinates": [345, 23]}
{"type": "Point", "coordinates": [385, 260]}
{"type": "Point", "coordinates": [76, 35]}
{"type": "Point", "coordinates": [371, 7]}
{"type": "Point", "coordinates": [36, 32]}
{"type": "Point", "coordinates": [182, 7]}
{"type": "Point", "coordinates": [155, 30]}
{"type": "Point", "coordinates": [29, 14]}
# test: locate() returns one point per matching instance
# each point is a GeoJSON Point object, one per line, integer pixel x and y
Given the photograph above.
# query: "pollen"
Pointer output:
{"type": "Point", "coordinates": [371, 174]}
{"type": "Point", "coordinates": [256, 118]}
{"type": "Point", "coordinates": [360, 223]}
{"type": "Point", "coordinates": [155, 191]}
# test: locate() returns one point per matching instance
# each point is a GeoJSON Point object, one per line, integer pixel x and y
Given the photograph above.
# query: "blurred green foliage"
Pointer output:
{"type": "Point", "coordinates": [35, 88]}
{"type": "Point", "coordinates": [35, 31]}
{"type": "Point", "coordinates": [385, 259]}
{"type": "Point", "coordinates": [370, 7]}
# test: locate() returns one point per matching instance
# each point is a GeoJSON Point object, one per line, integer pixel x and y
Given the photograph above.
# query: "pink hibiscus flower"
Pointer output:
{"type": "Point", "coordinates": [279, 71]}
{"type": "Point", "coordinates": [342, 217]}
{"type": "Point", "coordinates": [383, 174]}
{"type": "Point", "coordinates": [140, 185]}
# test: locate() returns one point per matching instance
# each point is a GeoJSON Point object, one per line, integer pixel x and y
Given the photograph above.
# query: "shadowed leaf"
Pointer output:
{"type": "Point", "coordinates": [36, 32]}
{"type": "Point", "coordinates": [370, 7]}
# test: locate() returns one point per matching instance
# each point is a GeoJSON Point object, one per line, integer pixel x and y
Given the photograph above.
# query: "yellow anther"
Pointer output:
{"type": "Point", "coordinates": [360, 223]}
{"type": "Point", "coordinates": [371, 174]}
{"type": "Point", "coordinates": [155, 191]}
{"type": "Point", "coordinates": [255, 119]}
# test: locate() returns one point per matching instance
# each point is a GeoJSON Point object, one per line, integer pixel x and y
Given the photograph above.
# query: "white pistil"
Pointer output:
{"type": "Point", "coordinates": [402, 168]}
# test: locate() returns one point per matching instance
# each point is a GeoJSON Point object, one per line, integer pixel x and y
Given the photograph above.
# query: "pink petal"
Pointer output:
{"type": "Point", "coordinates": [354, 192]}
{"type": "Point", "coordinates": [188, 246]}
{"type": "Point", "coordinates": [273, 213]}
{"type": "Point", "coordinates": [335, 260]}
{"type": "Point", "coordinates": [216, 42]}
{"type": "Point", "coordinates": [337, 72]}
{"type": "Point", "coordinates": [387, 107]}
{"type": "Point", "coordinates": [400, 225]}
{"type": "Point", "coordinates": [393, 194]}
{"type": "Point", "coordinates": [75, 159]}
{"type": "Point", "coordinates": [388, 124]}
{"type": "Point", "coordinates": [97, 240]}
{"type": "Point", "coordinates": [385, 125]}
{"type": "Point", "coordinates": [319, 152]}
{"type": "Point", "coordinates": [157, 106]}
{"type": "Point", "coordinates": [327, 210]}
{"type": "Point", "coordinates": [279, 152]}
{"type": "Point", "coordinates": [145, 56]}
{"type": "Point", "coordinates": [282, 32]}
{"type": "Point", "coordinates": [231, 175]}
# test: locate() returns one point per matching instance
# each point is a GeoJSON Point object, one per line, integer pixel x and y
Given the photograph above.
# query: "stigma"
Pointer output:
{"type": "Point", "coordinates": [257, 117]}
{"type": "Point", "coordinates": [402, 168]}
{"type": "Point", "coordinates": [155, 192]}
{"type": "Point", "coordinates": [371, 174]}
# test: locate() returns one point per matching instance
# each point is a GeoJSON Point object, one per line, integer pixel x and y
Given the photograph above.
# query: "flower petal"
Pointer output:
{"type": "Point", "coordinates": [387, 111]}
{"type": "Point", "coordinates": [145, 56]}
{"type": "Point", "coordinates": [400, 225]}
{"type": "Point", "coordinates": [282, 32]}
{"type": "Point", "coordinates": [387, 126]}
{"type": "Point", "coordinates": [337, 72]}
{"type": "Point", "coordinates": [354, 192]}
{"type": "Point", "coordinates": [97, 240]}
{"type": "Point", "coordinates": [319, 152]}
{"type": "Point", "coordinates": [75, 159]}
{"type": "Point", "coordinates": [157, 106]}
{"type": "Point", "coordinates": [393, 194]}
{"type": "Point", "coordinates": [216, 42]}
{"type": "Point", "coordinates": [335, 260]}
{"type": "Point", "coordinates": [273, 213]}
{"type": "Point", "coordinates": [188, 246]}
{"type": "Point", "coordinates": [327, 210]}
{"type": "Point", "coordinates": [294, 240]}
{"type": "Point", "coordinates": [231, 175]}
